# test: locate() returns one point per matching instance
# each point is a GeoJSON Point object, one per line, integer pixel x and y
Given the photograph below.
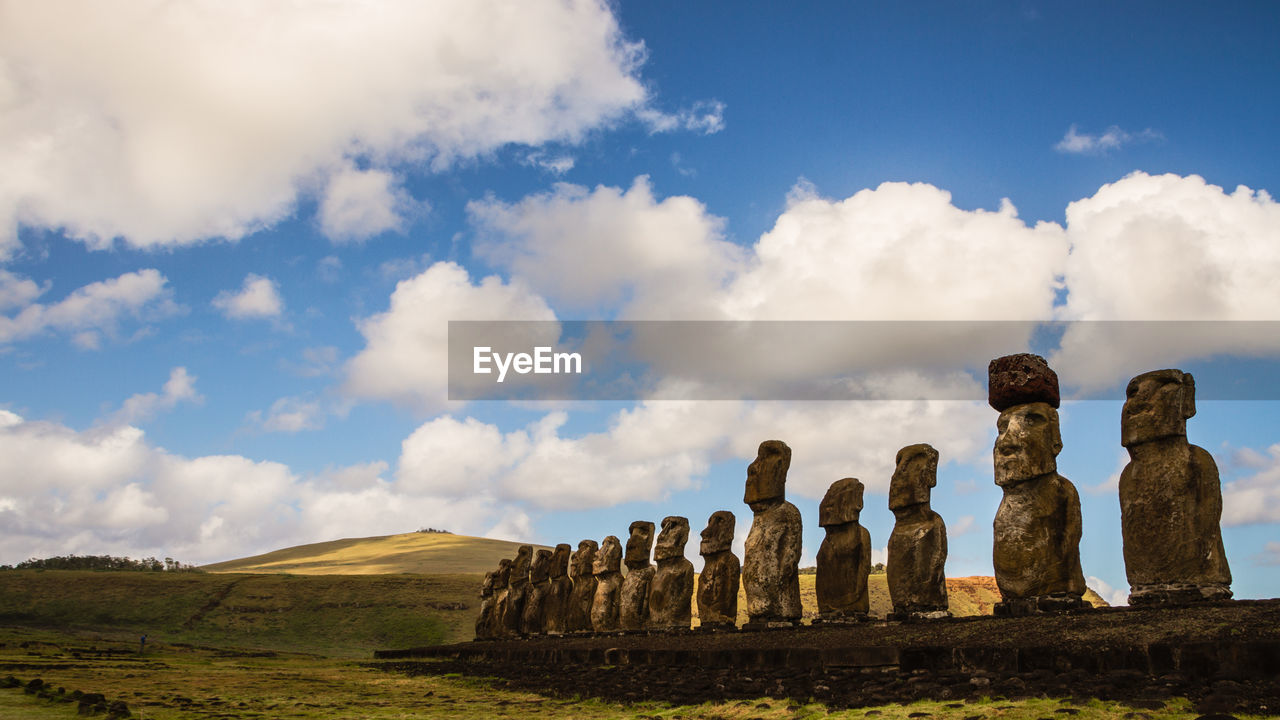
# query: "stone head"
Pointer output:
{"type": "Point", "coordinates": [559, 561]}
{"type": "Point", "coordinates": [673, 538]}
{"type": "Point", "coordinates": [502, 576]}
{"type": "Point", "coordinates": [584, 559]}
{"type": "Point", "coordinates": [609, 557]}
{"type": "Point", "coordinates": [767, 474]}
{"type": "Point", "coordinates": [915, 472]}
{"type": "Point", "coordinates": [1157, 404]}
{"type": "Point", "coordinates": [520, 566]}
{"type": "Point", "coordinates": [842, 503]}
{"type": "Point", "coordinates": [1028, 443]}
{"type": "Point", "coordinates": [718, 535]}
{"type": "Point", "coordinates": [486, 587]}
{"type": "Point", "coordinates": [540, 570]}
{"type": "Point", "coordinates": [639, 543]}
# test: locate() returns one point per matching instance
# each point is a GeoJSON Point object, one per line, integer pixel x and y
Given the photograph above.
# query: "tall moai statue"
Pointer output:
{"type": "Point", "coordinates": [844, 558]}
{"type": "Point", "coordinates": [501, 599]}
{"type": "Point", "coordinates": [583, 594]}
{"type": "Point", "coordinates": [1036, 548]}
{"type": "Point", "coordinates": [608, 570]}
{"type": "Point", "coordinates": [671, 594]}
{"type": "Point", "coordinates": [916, 566]}
{"type": "Point", "coordinates": [539, 586]}
{"type": "Point", "coordinates": [721, 573]}
{"type": "Point", "coordinates": [517, 591]}
{"type": "Point", "coordinates": [555, 608]}
{"type": "Point", "coordinates": [771, 561]}
{"type": "Point", "coordinates": [485, 620]}
{"type": "Point", "coordinates": [1170, 497]}
{"type": "Point", "coordinates": [633, 612]}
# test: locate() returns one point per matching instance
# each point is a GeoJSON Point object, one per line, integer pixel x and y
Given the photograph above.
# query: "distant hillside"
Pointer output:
{"type": "Point", "coordinates": [417, 553]}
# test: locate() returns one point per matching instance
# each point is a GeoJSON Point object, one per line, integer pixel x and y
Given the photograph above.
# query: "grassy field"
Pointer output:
{"type": "Point", "coordinates": [420, 553]}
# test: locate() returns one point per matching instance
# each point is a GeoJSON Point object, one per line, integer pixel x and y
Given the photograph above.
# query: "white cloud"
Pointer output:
{"type": "Point", "coordinates": [290, 415]}
{"type": "Point", "coordinates": [1254, 499]}
{"type": "Point", "coordinates": [405, 359]}
{"type": "Point", "coordinates": [706, 117]}
{"type": "Point", "coordinates": [1270, 554]}
{"type": "Point", "coordinates": [1113, 595]}
{"type": "Point", "coordinates": [556, 164]}
{"type": "Point", "coordinates": [167, 126]}
{"type": "Point", "coordinates": [180, 387]}
{"type": "Point", "coordinates": [1077, 143]}
{"type": "Point", "coordinates": [359, 204]}
{"type": "Point", "coordinates": [17, 291]}
{"type": "Point", "coordinates": [90, 311]}
{"type": "Point", "coordinates": [257, 298]}
{"type": "Point", "coordinates": [962, 526]}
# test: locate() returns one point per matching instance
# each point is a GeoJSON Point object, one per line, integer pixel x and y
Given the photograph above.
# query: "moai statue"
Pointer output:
{"type": "Point", "coordinates": [1036, 549]}
{"type": "Point", "coordinates": [721, 572]}
{"type": "Point", "coordinates": [517, 591]}
{"type": "Point", "coordinates": [916, 566]}
{"type": "Point", "coordinates": [607, 568]}
{"type": "Point", "coordinates": [1170, 497]}
{"type": "Point", "coordinates": [555, 608]}
{"type": "Point", "coordinates": [484, 621]}
{"type": "Point", "coordinates": [578, 613]}
{"type": "Point", "coordinates": [539, 586]}
{"type": "Point", "coordinates": [633, 613]}
{"type": "Point", "coordinates": [671, 594]}
{"type": "Point", "coordinates": [501, 599]}
{"type": "Point", "coordinates": [844, 558]}
{"type": "Point", "coordinates": [771, 561]}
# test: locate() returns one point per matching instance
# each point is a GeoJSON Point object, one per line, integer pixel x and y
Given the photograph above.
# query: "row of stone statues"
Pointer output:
{"type": "Point", "coordinates": [1170, 499]}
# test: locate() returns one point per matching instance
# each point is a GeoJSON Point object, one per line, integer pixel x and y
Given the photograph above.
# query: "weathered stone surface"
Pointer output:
{"type": "Point", "coordinates": [555, 607]}
{"type": "Point", "coordinates": [583, 594]}
{"type": "Point", "coordinates": [607, 568]}
{"type": "Point", "coordinates": [634, 603]}
{"type": "Point", "coordinates": [721, 573]}
{"type": "Point", "coordinates": [1170, 497]}
{"type": "Point", "coordinates": [916, 566]}
{"type": "Point", "coordinates": [539, 586]}
{"type": "Point", "coordinates": [771, 562]}
{"type": "Point", "coordinates": [844, 558]}
{"type": "Point", "coordinates": [485, 619]}
{"type": "Point", "coordinates": [1036, 548]}
{"type": "Point", "coordinates": [671, 594]}
{"type": "Point", "coordinates": [501, 599]}
{"type": "Point", "coordinates": [1020, 379]}
{"type": "Point", "coordinates": [517, 591]}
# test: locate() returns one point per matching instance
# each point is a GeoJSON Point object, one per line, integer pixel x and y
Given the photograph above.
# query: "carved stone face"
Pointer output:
{"type": "Point", "coordinates": [1028, 443]}
{"type": "Point", "coordinates": [503, 576]}
{"type": "Point", "coordinates": [520, 566]}
{"type": "Point", "coordinates": [639, 543]}
{"type": "Point", "coordinates": [1157, 404]}
{"type": "Point", "coordinates": [486, 588]}
{"type": "Point", "coordinates": [541, 568]}
{"type": "Point", "coordinates": [915, 473]}
{"type": "Point", "coordinates": [842, 503]}
{"type": "Point", "coordinates": [767, 474]}
{"type": "Point", "coordinates": [718, 535]}
{"type": "Point", "coordinates": [559, 561]}
{"type": "Point", "coordinates": [609, 558]}
{"type": "Point", "coordinates": [584, 559]}
{"type": "Point", "coordinates": [672, 539]}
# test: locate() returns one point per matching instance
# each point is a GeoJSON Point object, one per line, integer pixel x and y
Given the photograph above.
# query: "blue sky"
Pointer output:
{"type": "Point", "coordinates": [231, 237]}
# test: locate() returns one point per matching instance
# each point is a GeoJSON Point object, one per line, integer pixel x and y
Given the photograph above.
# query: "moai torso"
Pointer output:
{"type": "Point", "coordinates": [501, 599]}
{"type": "Point", "coordinates": [535, 601]}
{"type": "Point", "coordinates": [633, 613]}
{"type": "Point", "coordinates": [721, 573]}
{"type": "Point", "coordinates": [485, 619]}
{"type": "Point", "coordinates": [517, 591]}
{"type": "Point", "coordinates": [671, 594]}
{"type": "Point", "coordinates": [583, 594]}
{"type": "Point", "coordinates": [917, 551]}
{"type": "Point", "coordinates": [844, 558]}
{"type": "Point", "coordinates": [1170, 497]}
{"type": "Point", "coordinates": [771, 561]}
{"type": "Point", "coordinates": [607, 567]}
{"type": "Point", "coordinates": [555, 607]}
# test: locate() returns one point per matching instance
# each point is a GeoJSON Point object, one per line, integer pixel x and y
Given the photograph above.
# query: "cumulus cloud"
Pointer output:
{"type": "Point", "coordinates": [290, 415]}
{"type": "Point", "coordinates": [17, 291]}
{"type": "Point", "coordinates": [359, 204]}
{"type": "Point", "coordinates": [1113, 138]}
{"type": "Point", "coordinates": [705, 116]}
{"type": "Point", "coordinates": [180, 387]}
{"type": "Point", "coordinates": [166, 126]}
{"type": "Point", "coordinates": [88, 312]}
{"type": "Point", "coordinates": [257, 298]}
{"type": "Point", "coordinates": [1254, 499]}
{"type": "Point", "coordinates": [1113, 595]}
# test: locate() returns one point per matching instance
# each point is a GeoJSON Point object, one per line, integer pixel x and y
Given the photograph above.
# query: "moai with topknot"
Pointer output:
{"type": "Point", "coordinates": [671, 594]}
{"type": "Point", "coordinates": [721, 574]}
{"type": "Point", "coordinates": [633, 613]}
{"type": "Point", "coordinates": [555, 607]}
{"type": "Point", "coordinates": [607, 568]}
{"type": "Point", "coordinates": [916, 566]}
{"type": "Point", "coordinates": [1036, 548]}
{"type": "Point", "coordinates": [1170, 497]}
{"type": "Point", "coordinates": [583, 594]}
{"type": "Point", "coordinates": [771, 561]}
{"type": "Point", "coordinates": [844, 558]}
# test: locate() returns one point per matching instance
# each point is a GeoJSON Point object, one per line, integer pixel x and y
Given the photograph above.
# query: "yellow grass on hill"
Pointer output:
{"type": "Point", "coordinates": [418, 553]}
